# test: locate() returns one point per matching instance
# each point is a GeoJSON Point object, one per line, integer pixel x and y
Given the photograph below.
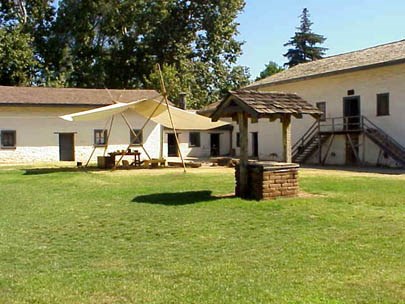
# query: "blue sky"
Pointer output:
{"type": "Point", "coordinates": [265, 25]}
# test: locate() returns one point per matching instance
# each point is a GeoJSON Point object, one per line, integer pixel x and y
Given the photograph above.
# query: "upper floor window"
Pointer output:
{"type": "Point", "coordinates": [322, 106]}
{"type": "Point", "coordinates": [383, 104]}
{"type": "Point", "coordinates": [100, 137]}
{"type": "Point", "coordinates": [194, 139]}
{"type": "Point", "coordinates": [8, 138]}
{"type": "Point", "coordinates": [138, 139]}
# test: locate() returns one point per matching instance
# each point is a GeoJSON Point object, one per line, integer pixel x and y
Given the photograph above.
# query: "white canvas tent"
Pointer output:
{"type": "Point", "coordinates": [157, 111]}
{"type": "Point", "coordinates": [153, 110]}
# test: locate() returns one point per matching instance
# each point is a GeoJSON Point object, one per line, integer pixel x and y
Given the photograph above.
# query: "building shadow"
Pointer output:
{"type": "Point", "coordinates": [360, 169]}
{"type": "Point", "coordinates": [39, 171]}
{"type": "Point", "coordinates": [177, 198]}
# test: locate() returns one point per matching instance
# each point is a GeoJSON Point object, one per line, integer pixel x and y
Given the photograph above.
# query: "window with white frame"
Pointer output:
{"type": "Point", "coordinates": [100, 137]}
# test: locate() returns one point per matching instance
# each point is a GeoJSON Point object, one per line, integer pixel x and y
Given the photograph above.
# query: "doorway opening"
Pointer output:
{"type": "Point", "coordinates": [214, 146]}
{"type": "Point", "coordinates": [66, 146]}
{"type": "Point", "coordinates": [172, 148]}
{"type": "Point", "coordinates": [351, 112]}
{"type": "Point", "coordinates": [255, 144]}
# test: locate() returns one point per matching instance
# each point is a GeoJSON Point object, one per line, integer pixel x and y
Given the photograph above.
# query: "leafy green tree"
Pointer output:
{"type": "Point", "coordinates": [117, 44]}
{"type": "Point", "coordinates": [28, 24]}
{"type": "Point", "coordinates": [270, 69]}
{"type": "Point", "coordinates": [17, 63]}
{"type": "Point", "coordinates": [304, 43]}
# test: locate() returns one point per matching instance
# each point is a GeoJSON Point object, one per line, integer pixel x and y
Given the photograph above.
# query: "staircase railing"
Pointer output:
{"type": "Point", "coordinates": [308, 135]}
{"type": "Point", "coordinates": [348, 124]}
{"type": "Point", "coordinates": [342, 124]}
{"type": "Point", "coordinates": [366, 125]}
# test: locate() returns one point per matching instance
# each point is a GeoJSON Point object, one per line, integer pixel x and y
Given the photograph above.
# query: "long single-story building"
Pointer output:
{"type": "Point", "coordinates": [31, 129]}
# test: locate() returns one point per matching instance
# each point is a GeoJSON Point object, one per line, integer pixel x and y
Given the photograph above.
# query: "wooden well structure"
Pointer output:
{"type": "Point", "coordinates": [243, 105]}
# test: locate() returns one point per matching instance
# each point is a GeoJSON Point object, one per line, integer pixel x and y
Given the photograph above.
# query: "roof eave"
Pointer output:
{"type": "Point", "coordinates": [365, 67]}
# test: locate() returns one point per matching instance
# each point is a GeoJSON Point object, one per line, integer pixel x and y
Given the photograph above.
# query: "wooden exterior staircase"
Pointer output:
{"type": "Point", "coordinates": [387, 144]}
{"type": "Point", "coordinates": [321, 131]}
{"type": "Point", "coordinates": [308, 143]}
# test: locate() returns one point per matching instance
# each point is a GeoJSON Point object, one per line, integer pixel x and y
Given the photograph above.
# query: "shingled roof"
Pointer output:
{"type": "Point", "coordinates": [263, 105]}
{"type": "Point", "coordinates": [381, 55]}
{"type": "Point", "coordinates": [69, 96]}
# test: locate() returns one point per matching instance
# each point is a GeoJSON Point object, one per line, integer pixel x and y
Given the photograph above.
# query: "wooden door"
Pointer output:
{"type": "Point", "coordinates": [172, 149]}
{"type": "Point", "coordinates": [351, 113]}
{"type": "Point", "coordinates": [215, 144]}
{"type": "Point", "coordinates": [66, 146]}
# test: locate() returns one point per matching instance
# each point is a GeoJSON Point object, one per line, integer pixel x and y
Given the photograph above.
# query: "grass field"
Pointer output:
{"type": "Point", "coordinates": [167, 237]}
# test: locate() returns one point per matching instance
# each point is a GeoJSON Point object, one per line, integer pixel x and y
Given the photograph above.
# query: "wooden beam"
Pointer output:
{"type": "Point", "coordinates": [243, 162]}
{"type": "Point", "coordinates": [286, 121]}
{"type": "Point", "coordinates": [327, 149]}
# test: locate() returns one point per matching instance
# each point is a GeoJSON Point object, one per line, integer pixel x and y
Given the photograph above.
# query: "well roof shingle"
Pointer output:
{"type": "Point", "coordinates": [265, 104]}
{"type": "Point", "coordinates": [69, 96]}
{"type": "Point", "coordinates": [380, 55]}
{"type": "Point", "coordinates": [275, 102]}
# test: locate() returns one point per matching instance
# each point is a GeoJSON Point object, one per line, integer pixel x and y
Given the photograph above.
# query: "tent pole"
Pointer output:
{"type": "Point", "coordinates": [164, 93]}
{"type": "Point", "coordinates": [95, 147]}
{"type": "Point", "coordinates": [134, 134]}
{"type": "Point", "coordinates": [91, 155]}
{"type": "Point", "coordinates": [108, 135]}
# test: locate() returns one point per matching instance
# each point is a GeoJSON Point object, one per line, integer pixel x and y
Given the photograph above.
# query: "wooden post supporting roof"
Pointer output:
{"type": "Point", "coordinates": [243, 162]}
{"type": "Point", "coordinates": [286, 121]}
{"type": "Point", "coordinates": [242, 105]}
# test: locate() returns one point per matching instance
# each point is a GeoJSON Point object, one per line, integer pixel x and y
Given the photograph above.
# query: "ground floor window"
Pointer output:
{"type": "Point", "coordinates": [194, 139]}
{"type": "Point", "coordinates": [237, 139]}
{"type": "Point", "coordinates": [8, 138]}
{"type": "Point", "coordinates": [383, 104]}
{"type": "Point", "coordinates": [138, 139]}
{"type": "Point", "coordinates": [322, 106]}
{"type": "Point", "coordinates": [100, 137]}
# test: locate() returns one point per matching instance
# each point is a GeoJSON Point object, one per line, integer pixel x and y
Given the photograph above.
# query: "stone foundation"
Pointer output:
{"type": "Point", "coordinates": [268, 180]}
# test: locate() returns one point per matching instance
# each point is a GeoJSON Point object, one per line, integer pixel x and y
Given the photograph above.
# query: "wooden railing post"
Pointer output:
{"type": "Point", "coordinates": [319, 142]}
{"type": "Point", "coordinates": [243, 162]}
{"type": "Point", "coordinates": [287, 138]}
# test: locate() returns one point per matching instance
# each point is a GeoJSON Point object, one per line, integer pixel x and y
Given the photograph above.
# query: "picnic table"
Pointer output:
{"type": "Point", "coordinates": [121, 154]}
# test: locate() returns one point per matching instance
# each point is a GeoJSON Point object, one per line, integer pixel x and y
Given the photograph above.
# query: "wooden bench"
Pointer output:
{"type": "Point", "coordinates": [154, 163]}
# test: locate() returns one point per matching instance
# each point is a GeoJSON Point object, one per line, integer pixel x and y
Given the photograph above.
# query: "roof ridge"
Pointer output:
{"type": "Point", "coordinates": [356, 51]}
{"type": "Point", "coordinates": [378, 55]}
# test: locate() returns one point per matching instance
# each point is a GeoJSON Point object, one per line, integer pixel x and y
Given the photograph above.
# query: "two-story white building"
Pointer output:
{"type": "Point", "coordinates": [362, 95]}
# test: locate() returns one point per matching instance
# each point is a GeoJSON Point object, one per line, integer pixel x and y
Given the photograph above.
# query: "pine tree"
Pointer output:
{"type": "Point", "coordinates": [304, 43]}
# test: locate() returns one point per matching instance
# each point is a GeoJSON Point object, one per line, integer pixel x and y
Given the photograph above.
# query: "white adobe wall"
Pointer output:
{"type": "Point", "coordinates": [37, 140]}
{"type": "Point", "coordinates": [205, 143]}
{"type": "Point", "coordinates": [366, 84]}
{"type": "Point", "coordinates": [269, 138]}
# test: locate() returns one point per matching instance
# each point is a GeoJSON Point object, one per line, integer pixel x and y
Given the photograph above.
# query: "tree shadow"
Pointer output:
{"type": "Point", "coordinates": [177, 198]}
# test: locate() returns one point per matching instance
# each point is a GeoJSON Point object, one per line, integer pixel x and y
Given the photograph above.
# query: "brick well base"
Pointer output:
{"type": "Point", "coordinates": [268, 181]}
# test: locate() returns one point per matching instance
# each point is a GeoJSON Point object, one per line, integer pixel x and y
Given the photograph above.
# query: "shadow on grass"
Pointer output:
{"type": "Point", "coordinates": [177, 198]}
{"type": "Point", "coordinates": [37, 171]}
{"type": "Point", "coordinates": [364, 169]}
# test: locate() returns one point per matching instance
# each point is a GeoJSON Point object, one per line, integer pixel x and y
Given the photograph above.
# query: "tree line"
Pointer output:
{"type": "Point", "coordinates": [117, 44]}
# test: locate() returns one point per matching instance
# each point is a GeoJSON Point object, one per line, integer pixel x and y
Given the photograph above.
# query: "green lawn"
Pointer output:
{"type": "Point", "coordinates": [123, 237]}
